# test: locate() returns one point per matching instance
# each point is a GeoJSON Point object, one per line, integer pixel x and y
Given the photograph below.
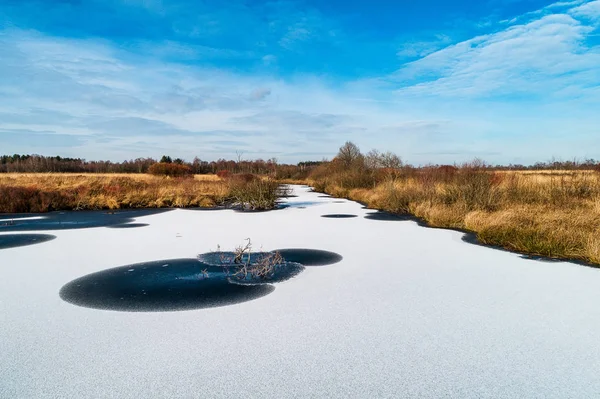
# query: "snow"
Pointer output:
{"type": "Point", "coordinates": [408, 312]}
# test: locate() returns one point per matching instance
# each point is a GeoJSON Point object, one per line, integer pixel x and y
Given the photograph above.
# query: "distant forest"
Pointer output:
{"type": "Point", "coordinates": [43, 164]}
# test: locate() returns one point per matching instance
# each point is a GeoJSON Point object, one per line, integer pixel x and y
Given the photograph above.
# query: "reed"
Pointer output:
{"type": "Point", "coordinates": [554, 214]}
{"type": "Point", "coordinates": [47, 192]}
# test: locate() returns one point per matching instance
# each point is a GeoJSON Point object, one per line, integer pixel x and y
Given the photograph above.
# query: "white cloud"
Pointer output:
{"type": "Point", "coordinates": [545, 57]}
{"type": "Point", "coordinates": [539, 80]}
{"type": "Point", "coordinates": [260, 94]}
{"type": "Point", "coordinates": [557, 7]}
{"type": "Point", "coordinates": [300, 28]}
{"type": "Point", "coordinates": [295, 34]}
{"type": "Point", "coordinates": [104, 96]}
{"type": "Point", "coordinates": [269, 59]}
{"type": "Point", "coordinates": [421, 48]}
{"type": "Point", "coordinates": [589, 10]}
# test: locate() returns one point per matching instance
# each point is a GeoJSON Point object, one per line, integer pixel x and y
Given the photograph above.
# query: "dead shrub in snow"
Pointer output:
{"type": "Point", "coordinates": [261, 268]}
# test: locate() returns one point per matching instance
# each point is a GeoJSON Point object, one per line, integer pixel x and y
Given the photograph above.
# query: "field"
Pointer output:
{"type": "Point", "coordinates": [554, 214]}
{"type": "Point", "coordinates": [42, 192]}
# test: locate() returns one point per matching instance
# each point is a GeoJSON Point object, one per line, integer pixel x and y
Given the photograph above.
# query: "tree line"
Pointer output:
{"type": "Point", "coordinates": [55, 164]}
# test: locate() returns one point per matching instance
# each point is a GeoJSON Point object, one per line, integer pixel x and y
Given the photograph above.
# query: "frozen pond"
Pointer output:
{"type": "Point", "coordinates": [382, 308]}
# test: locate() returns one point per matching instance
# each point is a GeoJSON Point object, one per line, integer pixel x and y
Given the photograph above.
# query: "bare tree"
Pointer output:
{"type": "Point", "coordinates": [239, 155]}
{"type": "Point", "coordinates": [377, 160]}
{"type": "Point", "coordinates": [349, 154]}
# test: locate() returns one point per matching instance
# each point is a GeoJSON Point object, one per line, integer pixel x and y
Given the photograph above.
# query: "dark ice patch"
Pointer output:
{"type": "Point", "coordinates": [74, 219]}
{"type": "Point", "coordinates": [310, 257]}
{"type": "Point", "coordinates": [21, 240]}
{"type": "Point", "coordinates": [159, 286]}
{"type": "Point", "coordinates": [388, 217]}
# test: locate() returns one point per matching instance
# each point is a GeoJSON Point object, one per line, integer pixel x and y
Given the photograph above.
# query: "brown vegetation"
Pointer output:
{"type": "Point", "coordinates": [47, 192]}
{"type": "Point", "coordinates": [251, 192]}
{"type": "Point", "coordinates": [170, 169]}
{"type": "Point", "coordinates": [43, 192]}
{"type": "Point", "coordinates": [554, 214]}
{"type": "Point", "coordinates": [263, 267]}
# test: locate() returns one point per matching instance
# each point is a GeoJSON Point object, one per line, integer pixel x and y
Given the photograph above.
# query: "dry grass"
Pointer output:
{"type": "Point", "coordinates": [137, 176]}
{"type": "Point", "coordinates": [548, 213]}
{"type": "Point", "coordinates": [292, 181]}
{"type": "Point", "coordinates": [555, 172]}
{"type": "Point", "coordinates": [46, 192]}
{"type": "Point", "coordinates": [254, 193]}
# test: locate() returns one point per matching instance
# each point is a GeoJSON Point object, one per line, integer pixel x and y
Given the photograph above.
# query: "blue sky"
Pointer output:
{"type": "Point", "coordinates": [508, 81]}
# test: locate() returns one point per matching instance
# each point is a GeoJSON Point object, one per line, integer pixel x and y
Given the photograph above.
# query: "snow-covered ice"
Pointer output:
{"type": "Point", "coordinates": [408, 312]}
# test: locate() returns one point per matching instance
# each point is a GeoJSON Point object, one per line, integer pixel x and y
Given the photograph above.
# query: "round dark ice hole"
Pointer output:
{"type": "Point", "coordinates": [309, 257]}
{"type": "Point", "coordinates": [387, 217]}
{"type": "Point", "coordinates": [21, 240]}
{"type": "Point", "coordinates": [338, 216]}
{"type": "Point", "coordinates": [128, 226]}
{"type": "Point", "coordinates": [160, 286]}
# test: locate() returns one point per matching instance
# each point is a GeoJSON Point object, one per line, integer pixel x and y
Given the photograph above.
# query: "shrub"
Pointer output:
{"type": "Point", "coordinates": [386, 160]}
{"type": "Point", "coordinates": [447, 172]}
{"type": "Point", "coordinates": [263, 267]}
{"type": "Point", "coordinates": [254, 193]}
{"type": "Point", "coordinates": [33, 199]}
{"type": "Point", "coordinates": [223, 174]}
{"type": "Point", "coordinates": [384, 174]}
{"type": "Point", "coordinates": [355, 178]}
{"type": "Point", "coordinates": [244, 177]}
{"type": "Point", "coordinates": [351, 170]}
{"type": "Point", "coordinates": [170, 169]}
{"type": "Point", "coordinates": [245, 265]}
{"type": "Point", "coordinates": [474, 186]}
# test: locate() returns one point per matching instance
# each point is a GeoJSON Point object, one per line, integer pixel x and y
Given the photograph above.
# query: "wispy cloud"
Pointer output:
{"type": "Point", "coordinates": [422, 48]}
{"type": "Point", "coordinates": [545, 58]}
{"type": "Point", "coordinates": [589, 10]}
{"type": "Point", "coordinates": [260, 94]}
{"type": "Point", "coordinates": [192, 91]}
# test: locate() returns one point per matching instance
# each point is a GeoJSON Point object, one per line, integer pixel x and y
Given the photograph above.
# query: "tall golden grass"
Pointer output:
{"type": "Point", "coordinates": [46, 191]}
{"type": "Point", "coordinates": [554, 214]}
